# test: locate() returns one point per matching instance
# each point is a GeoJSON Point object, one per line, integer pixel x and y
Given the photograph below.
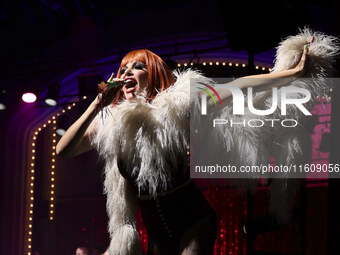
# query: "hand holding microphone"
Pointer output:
{"type": "Point", "coordinates": [108, 90]}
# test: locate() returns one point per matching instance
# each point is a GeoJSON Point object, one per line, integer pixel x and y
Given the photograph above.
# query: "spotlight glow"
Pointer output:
{"type": "Point", "coordinates": [60, 131]}
{"type": "Point", "coordinates": [50, 101]}
{"type": "Point", "coordinates": [29, 97]}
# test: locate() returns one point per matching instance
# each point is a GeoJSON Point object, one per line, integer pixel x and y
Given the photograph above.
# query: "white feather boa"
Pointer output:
{"type": "Point", "coordinates": [293, 146]}
{"type": "Point", "coordinates": [151, 138]}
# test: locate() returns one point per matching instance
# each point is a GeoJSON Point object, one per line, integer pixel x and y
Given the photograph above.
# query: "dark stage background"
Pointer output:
{"type": "Point", "coordinates": [51, 205]}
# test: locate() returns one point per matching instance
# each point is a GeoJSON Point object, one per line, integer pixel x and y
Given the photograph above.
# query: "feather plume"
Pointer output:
{"type": "Point", "coordinates": [148, 140]}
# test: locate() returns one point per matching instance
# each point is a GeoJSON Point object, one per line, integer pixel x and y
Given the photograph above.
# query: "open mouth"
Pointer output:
{"type": "Point", "coordinates": [131, 85]}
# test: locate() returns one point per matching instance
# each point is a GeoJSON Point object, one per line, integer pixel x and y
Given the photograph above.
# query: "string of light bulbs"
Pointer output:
{"type": "Point", "coordinates": [223, 63]}
{"type": "Point", "coordinates": [31, 176]}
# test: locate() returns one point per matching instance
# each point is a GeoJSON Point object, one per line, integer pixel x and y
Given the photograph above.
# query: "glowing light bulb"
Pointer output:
{"type": "Point", "coordinates": [29, 97]}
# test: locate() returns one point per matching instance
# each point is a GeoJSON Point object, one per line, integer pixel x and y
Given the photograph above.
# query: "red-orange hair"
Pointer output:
{"type": "Point", "coordinates": [160, 75]}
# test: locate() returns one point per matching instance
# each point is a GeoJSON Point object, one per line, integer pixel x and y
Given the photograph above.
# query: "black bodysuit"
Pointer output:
{"type": "Point", "coordinates": [167, 217]}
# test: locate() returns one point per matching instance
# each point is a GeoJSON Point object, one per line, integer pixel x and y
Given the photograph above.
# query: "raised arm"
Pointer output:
{"type": "Point", "coordinates": [76, 139]}
{"type": "Point", "coordinates": [262, 82]}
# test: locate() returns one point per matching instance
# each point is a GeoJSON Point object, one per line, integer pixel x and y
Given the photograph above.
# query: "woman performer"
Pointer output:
{"type": "Point", "coordinates": [144, 138]}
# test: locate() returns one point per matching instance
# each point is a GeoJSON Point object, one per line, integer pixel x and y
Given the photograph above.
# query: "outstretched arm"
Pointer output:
{"type": "Point", "coordinates": [262, 82]}
{"type": "Point", "coordinates": [76, 139]}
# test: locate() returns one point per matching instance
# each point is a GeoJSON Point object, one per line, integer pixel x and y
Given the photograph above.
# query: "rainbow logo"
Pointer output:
{"type": "Point", "coordinates": [207, 91]}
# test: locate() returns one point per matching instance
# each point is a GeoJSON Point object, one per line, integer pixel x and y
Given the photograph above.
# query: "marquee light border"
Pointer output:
{"type": "Point", "coordinates": [31, 177]}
